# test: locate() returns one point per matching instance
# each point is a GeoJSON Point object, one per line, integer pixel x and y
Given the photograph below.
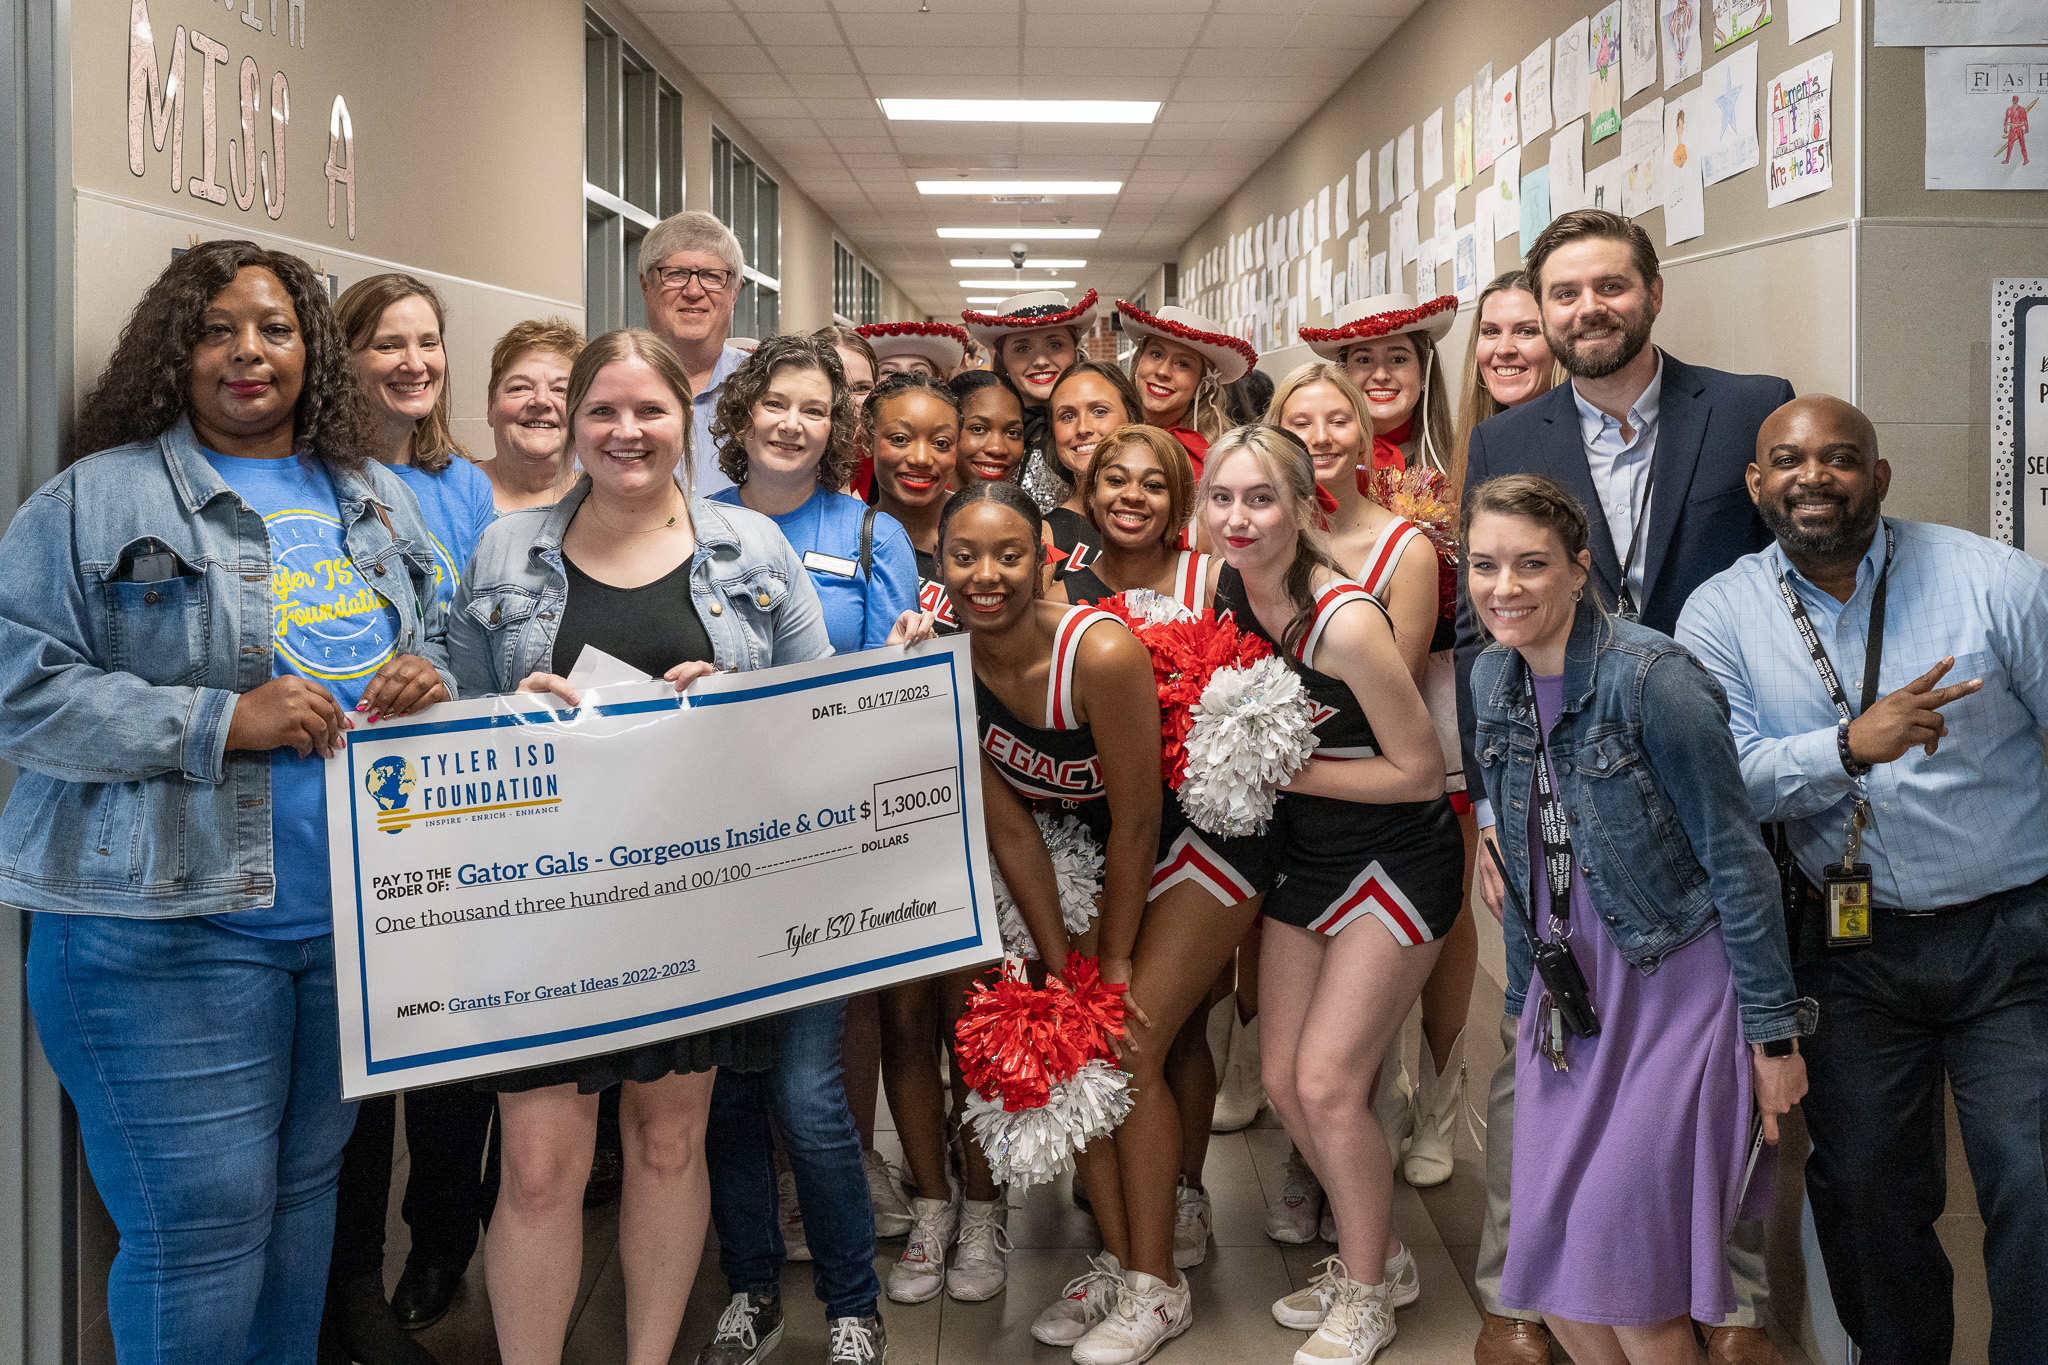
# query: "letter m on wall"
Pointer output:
{"type": "Point", "coordinates": [155, 108]}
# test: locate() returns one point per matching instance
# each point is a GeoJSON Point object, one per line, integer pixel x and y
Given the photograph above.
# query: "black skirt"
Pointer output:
{"type": "Point", "coordinates": [736, 1047]}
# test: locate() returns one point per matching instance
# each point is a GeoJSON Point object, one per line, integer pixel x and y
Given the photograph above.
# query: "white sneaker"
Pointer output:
{"type": "Point", "coordinates": [1085, 1301]}
{"type": "Point", "coordinates": [1192, 1220]}
{"type": "Point", "coordinates": [1291, 1214]}
{"type": "Point", "coordinates": [1149, 1313]}
{"type": "Point", "coordinates": [794, 1243]}
{"type": "Point", "coordinates": [1326, 1226]}
{"type": "Point", "coordinates": [978, 1268]}
{"type": "Point", "coordinates": [1403, 1280]}
{"type": "Point", "coordinates": [885, 1193]}
{"type": "Point", "coordinates": [921, 1271]}
{"type": "Point", "coordinates": [1358, 1325]}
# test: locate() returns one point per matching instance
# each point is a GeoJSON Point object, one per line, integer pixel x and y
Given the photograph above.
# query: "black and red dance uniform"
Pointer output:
{"type": "Point", "coordinates": [1231, 870]}
{"type": "Point", "coordinates": [1075, 537]}
{"type": "Point", "coordinates": [1053, 765]}
{"type": "Point", "coordinates": [1403, 862]}
{"type": "Point", "coordinates": [931, 594]}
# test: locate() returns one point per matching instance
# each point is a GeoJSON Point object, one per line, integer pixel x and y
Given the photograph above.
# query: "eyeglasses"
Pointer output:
{"type": "Point", "coordinates": [677, 277]}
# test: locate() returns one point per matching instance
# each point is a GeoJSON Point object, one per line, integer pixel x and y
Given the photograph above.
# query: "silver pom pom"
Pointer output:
{"type": "Point", "coordinates": [1155, 607]}
{"type": "Point", "coordinates": [1076, 868]}
{"type": "Point", "coordinates": [1046, 488]}
{"type": "Point", "coordinates": [1036, 1146]}
{"type": "Point", "coordinates": [1250, 733]}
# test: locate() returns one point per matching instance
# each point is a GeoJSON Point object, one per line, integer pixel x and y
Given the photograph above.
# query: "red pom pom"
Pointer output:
{"type": "Point", "coordinates": [1017, 1042]}
{"type": "Point", "coordinates": [1185, 655]}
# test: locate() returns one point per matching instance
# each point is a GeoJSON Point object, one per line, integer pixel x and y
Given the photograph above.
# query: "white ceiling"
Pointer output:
{"type": "Point", "coordinates": [1236, 77]}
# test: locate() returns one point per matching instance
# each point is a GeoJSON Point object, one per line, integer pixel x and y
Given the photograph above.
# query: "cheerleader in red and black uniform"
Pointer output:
{"type": "Point", "coordinates": [1367, 878]}
{"type": "Point", "coordinates": [1090, 399]}
{"type": "Point", "coordinates": [912, 426]}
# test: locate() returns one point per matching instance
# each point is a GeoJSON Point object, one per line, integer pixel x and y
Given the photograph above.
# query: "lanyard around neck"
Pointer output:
{"type": "Point", "coordinates": [1551, 824]}
{"type": "Point", "coordinates": [1873, 647]}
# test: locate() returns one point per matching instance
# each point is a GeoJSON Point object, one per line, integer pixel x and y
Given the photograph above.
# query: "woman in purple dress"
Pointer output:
{"type": "Point", "coordinates": [1626, 834]}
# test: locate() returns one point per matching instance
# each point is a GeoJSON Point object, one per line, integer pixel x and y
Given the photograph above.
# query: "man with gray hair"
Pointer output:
{"type": "Point", "coordinates": [690, 278]}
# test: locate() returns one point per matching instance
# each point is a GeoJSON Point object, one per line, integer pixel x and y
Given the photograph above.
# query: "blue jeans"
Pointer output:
{"type": "Point", "coordinates": [1965, 994]}
{"type": "Point", "coordinates": [806, 1091]}
{"type": "Point", "coordinates": [205, 1067]}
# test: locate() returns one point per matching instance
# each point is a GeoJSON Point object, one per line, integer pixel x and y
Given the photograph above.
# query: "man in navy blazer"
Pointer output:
{"type": "Point", "coordinates": [1656, 451]}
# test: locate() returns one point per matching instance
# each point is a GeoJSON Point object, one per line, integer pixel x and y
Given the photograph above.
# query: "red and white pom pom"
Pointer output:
{"type": "Point", "coordinates": [1036, 1146]}
{"type": "Point", "coordinates": [1249, 733]}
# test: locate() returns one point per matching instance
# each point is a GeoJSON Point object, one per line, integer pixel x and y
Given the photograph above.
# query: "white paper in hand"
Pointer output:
{"type": "Point", "coordinates": [595, 668]}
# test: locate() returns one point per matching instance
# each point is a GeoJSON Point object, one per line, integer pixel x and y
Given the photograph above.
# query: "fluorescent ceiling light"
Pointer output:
{"type": "Point", "coordinates": [1019, 186]}
{"type": "Point", "coordinates": [1020, 234]}
{"type": "Point", "coordinates": [1007, 284]}
{"type": "Point", "coordinates": [1023, 111]}
{"type": "Point", "coordinates": [986, 298]}
{"type": "Point", "coordinates": [994, 263]}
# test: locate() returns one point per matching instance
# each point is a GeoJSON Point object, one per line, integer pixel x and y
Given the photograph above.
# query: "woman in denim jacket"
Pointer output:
{"type": "Point", "coordinates": [189, 619]}
{"type": "Point", "coordinates": [1631, 1146]}
{"type": "Point", "coordinates": [632, 563]}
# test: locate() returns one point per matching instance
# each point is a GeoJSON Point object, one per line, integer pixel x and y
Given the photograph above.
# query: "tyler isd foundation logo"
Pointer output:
{"type": "Point", "coordinates": [390, 781]}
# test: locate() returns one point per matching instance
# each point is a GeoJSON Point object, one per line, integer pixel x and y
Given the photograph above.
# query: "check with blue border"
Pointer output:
{"type": "Point", "coordinates": [517, 883]}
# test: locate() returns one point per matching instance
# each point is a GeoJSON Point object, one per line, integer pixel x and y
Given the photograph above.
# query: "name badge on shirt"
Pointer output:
{"type": "Point", "coordinates": [832, 564]}
{"type": "Point", "coordinates": [1848, 904]}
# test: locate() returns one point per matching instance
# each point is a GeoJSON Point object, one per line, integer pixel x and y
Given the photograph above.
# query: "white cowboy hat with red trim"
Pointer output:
{"type": "Point", "coordinates": [1030, 313]}
{"type": "Point", "coordinates": [1383, 315]}
{"type": "Point", "coordinates": [1229, 356]}
{"type": "Point", "coordinates": [940, 343]}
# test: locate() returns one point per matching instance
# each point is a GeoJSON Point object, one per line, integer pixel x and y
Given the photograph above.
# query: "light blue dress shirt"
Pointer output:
{"type": "Point", "coordinates": [704, 450]}
{"type": "Point", "coordinates": [1621, 470]}
{"type": "Point", "coordinates": [1971, 820]}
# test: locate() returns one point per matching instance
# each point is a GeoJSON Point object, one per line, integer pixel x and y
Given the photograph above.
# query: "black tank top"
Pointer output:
{"type": "Point", "coordinates": [1075, 537]}
{"type": "Point", "coordinates": [1342, 730]}
{"type": "Point", "coordinates": [1190, 574]}
{"type": "Point", "coordinates": [653, 627]}
{"type": "Point", "coordinates": [1055, 761]}
{"type": "Point", "coordinates": [931, 594]}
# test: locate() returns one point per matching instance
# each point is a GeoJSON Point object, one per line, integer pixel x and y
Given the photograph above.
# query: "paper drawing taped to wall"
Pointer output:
{"type": "Point", "coordinates": [1725, 140]}
{"type": "Point", "coordinates": [1735, 20]}
{"type": "Point", "coordinates": [2019, 414]}
{"type": "Point", "coordinates": [1603, 61]}
{"type": "Point", "coordinates": [1987, 115]}
{"type": "Point", "coordinates": [1570, 74]}
{"type": "Point", "coordinates": [1638, 45]}
{"type": "Point", "coordinates": [1800, 130]}
{"type": "Point", "coordinates": [1483, 145]}
{"type": "Point", "coordinates": [1461, 138]}
{"type": "Point", "coordinates": [1678, 28]}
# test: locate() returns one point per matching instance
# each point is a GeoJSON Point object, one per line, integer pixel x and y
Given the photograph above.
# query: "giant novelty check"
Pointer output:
{"type": "Point", "coordinates": [516, 883]}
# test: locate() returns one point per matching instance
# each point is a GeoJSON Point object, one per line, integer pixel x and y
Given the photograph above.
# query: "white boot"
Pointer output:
{"type": "Point", "coordinates": [1394, 1103]}
{"type": "Point", "coordinates": [1243, 1093]}
{"type": "Point", "coordinates": [1430, 1150]}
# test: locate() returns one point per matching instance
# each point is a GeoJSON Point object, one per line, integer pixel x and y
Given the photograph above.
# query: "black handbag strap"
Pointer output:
{"type": "Point", "coordinates": [867, 544]}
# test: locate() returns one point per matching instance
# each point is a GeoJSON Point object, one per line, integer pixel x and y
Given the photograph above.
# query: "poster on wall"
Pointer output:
{"type": "Point", "coordinates": [1361, 182]}
{"type": "Point", "coordinates": [1638, 46]}
{"type": "Point", "coordinates": [1483, 146]}
{"type": "Point", "coordinates": [1960, 23]}
{"type": "Point", "coordinates": [1735, 20]}
{"type": "Point", "coordinates": [1465, 264]}
{"type": "Point", "coordinates": [1678, 30]}
{"type": "Point", "coordinates": [1570, 74]}
{"type": "Point", "coordinates": [1535, 204]}
{"type": "Point", "coordinates": [1504, 200]}
{"type": "Point", "coordinates": [1433, 149]}
{"type": "Point", "coordinates": [1984, 105]}
{"type": "Point", "coordinates": [1804, 18]}
{"type": "Point", "coordinates": [1536, 93]}
{"type": "Point", "coordinates": [1642, 157]}
{"type": "Point", "coordinates": [1603, 186]}
{"type": "Point", "coordinates": [1685, 211]}
{"type": "Point", "coordinates": [1461, 138]}
{"type": "Point", "coordinates": [1603, 59]}
{"type": "Point", "coordinates": [1404, 162]}
{"type": "Point", "coordinates": [1445, 222]}
{"type": "Point", "coordinates": [1799, 129]}
{"type": "Point", "coordinates": [1340, 205]}
{"type": "Point", "coordinates": [1387, 196]}
{"type": "Point", "coordinates": [2019, 414]}
{"type": "Point", "coordinates": [1378, 284]}
{"type": "Point", "coordinates": [1507, 118]}
{"type": "Point", "coordinates": [1406, 238]}
{"type": "Point", "coordinates": [1725, 140]}
{"type": "Point", "coordinates": [1568, 167]}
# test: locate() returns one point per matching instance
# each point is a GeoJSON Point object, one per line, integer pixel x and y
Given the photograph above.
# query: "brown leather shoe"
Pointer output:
{"type": "Point", "coordinates": [1511, 1341]}
{"type": "Point", "coordinates": [1740, 1346]}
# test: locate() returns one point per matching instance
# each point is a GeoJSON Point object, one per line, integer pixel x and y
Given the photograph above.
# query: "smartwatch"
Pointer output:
{"type": "Point", "coordinates": [1779, 1047]}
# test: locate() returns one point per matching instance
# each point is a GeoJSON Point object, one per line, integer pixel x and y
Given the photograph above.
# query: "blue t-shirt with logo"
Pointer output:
{"type": "Point", "coordinates": [457, 506]}
{"type": "Point", "coordinates": [329, 627]}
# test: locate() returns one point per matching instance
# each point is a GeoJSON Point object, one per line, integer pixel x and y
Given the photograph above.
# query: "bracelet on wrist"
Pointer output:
{"type": "Point", "coordinates": [1850, 764]}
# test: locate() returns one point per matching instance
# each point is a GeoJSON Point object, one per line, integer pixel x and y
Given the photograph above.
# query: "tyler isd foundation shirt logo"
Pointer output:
{"type": "Point", "coordinates": [330, 623]}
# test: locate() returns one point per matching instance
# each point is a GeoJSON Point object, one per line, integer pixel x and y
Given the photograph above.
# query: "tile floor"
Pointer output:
{"type": "Point", "coordinates": [1245, 1271]}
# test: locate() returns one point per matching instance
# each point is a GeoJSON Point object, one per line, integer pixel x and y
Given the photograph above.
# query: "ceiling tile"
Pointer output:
{"type": "Point", "coordinates": [1095, 62]}
{"type": "Point", "coordinates": [944, 87]}
{"type": "Point", "coordinates": [830, 87]}
{"type": "Point", "coordinates": [754, 85]}
{"type": "Point", "coordinates": [814, 60]}
{"type": "Point", "coordinates": [767, 110]}
{"type": "Point", "coordinates": [846, 112]}
{"type": "Point", "coordinates": [1245, 30]}
{"type": "Point", "coordinates": [700, 29]}
{"type": "Point", "coordinates": [899, 61]}
{"type": "Point", "coordinates": [1166, 7]}
{"type": "Point", "coordinates": [722, 60]}
{"type": "Point", "coordinates": [781, 129]}
{"type": "Point", "coordinates": [915, 32]}
{"type": "Point", "coordinates": [796, 30]}
{"type": "Point", "coordinates": [1334, 62]}
{"type": "Point", "coordinates": [1112, 31]}
{"type": "Point", "coordinates": [647, 8]}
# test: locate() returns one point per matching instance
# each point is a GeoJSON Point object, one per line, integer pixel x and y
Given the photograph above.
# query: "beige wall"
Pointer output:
{"type": "Point", "coordinates": [806, 230]}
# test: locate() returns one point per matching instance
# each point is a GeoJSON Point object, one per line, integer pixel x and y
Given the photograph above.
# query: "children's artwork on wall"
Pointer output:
{"type": "Point", "coordinates": [1638, 46]}
{"type": "Point", "coordinates": [1800, 129]}
{"type": "Point", "coordinates": [1568, 167]}
{"type": "Point", "coordinates": [1483, 146]}
{"type": "Point", "coordinates": [1461, 138]}
{"type": "Point", "coordinates": [1603, 59]}
{"type": "Point", "coordinates": [1446, 220]}
{"type": "Point", "coordinates": [1433, 148]}
{"type": "Point", "coordinates": [1340, 205]}
{"type": "Point", "coordinates": [1571, 74]}
{"type": "Point", "coordinates": [1804, 18]}
{"type": "Point", "coordinates": [1504, 200]}
{"type": "Point", "coordinates": [1678, 29]}
{"type": "Point", "coordinates": [1378, 285]}
{"type": "Point", "coordinates": [1536, 93]}
{"type": "Point", "coordinates": [1387, 196]}
{"type": "Point", "coordinates": [1725, 139]}
{"type": "Point", "coordinates": [1976, 23]}
{"type": "Point", "coordinates": [1536, 210]}
{"type": "Point", "coordinates": [1404, 162]}
{"type": "Point", "coordinates": [1361, 183]}
{"type": "Point", "coordinates": [1642, 157]}
{"type": "Point", "coordinates": [1983, 103]}
{"type": "Point", "coordinates": [1507, 118]}
{"type": "Point", "coordinates": [1685, 212]}
{"type": "Point", "coordinates": [1465, 264]}
{"type": "Point", "coordinates": [1603, 186]}
{"type": "Point", "coordinates": [1735, 20]}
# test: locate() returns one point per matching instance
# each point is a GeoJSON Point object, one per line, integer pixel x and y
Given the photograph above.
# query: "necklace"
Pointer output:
{"type": "Point", "coordinates": [622, 531]}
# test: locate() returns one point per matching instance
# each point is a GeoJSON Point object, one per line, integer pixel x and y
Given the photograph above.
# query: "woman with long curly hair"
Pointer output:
{"type": "Point", "coordinates": [191, 615]}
